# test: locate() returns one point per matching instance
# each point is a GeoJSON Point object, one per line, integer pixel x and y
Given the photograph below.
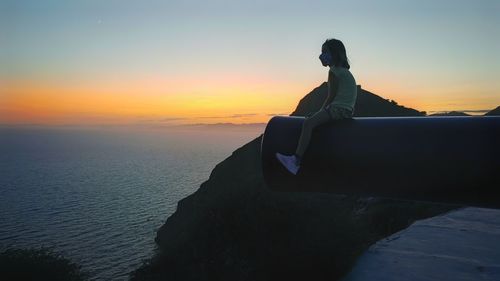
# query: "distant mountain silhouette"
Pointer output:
{"type": "Point", "coordinates": [494, 112]}
{"type": "Point", "coordinates": [224, 125]}
{"type": "Point", "coordinates": [368, 104]}
{"type": "Point", "coordinates": [450, 113]}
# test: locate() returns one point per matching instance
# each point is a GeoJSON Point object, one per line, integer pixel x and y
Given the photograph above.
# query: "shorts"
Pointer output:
{"type": "Point", "coordinates": [337, 112]}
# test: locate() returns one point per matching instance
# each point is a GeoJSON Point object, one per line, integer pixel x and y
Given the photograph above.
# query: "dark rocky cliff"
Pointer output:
{"type": "Point", "coordinates": [368, 104]}
{"type": "Point", "coordinates": [494, 112]}
{"type": "Point", "coordinates": [234, 228]}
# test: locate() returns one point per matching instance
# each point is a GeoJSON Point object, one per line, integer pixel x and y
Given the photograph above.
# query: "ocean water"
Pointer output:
{"type": "Point", "coordinates": [98, 196]}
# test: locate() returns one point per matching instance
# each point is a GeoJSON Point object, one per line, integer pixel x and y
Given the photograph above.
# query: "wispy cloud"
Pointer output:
{"type": "Point", "coordinates": [242, 115]}
{"type": "Point", "coordinates": [275, 114]}
{"type": "Point", "coordinates": [212, 117]}
{"type": "Point", "coordinates": [463, 110]}
{"type": "Point", "coordinates": [163, 119]}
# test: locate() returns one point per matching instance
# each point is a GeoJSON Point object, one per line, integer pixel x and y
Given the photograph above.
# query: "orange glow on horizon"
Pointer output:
{"type": "Point", "coordinates": [206, 100]}
{"type": "Point", "coordinates": [433, 98]}
{"type": "Point", "coordinates": [228, 98]}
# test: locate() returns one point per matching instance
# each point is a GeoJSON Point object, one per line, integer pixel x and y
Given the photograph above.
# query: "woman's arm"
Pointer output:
{"type": "Point", "coordinates": [332, 89]}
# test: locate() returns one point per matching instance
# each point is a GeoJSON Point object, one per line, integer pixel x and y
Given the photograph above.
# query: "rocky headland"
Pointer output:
{"type": "Point", "coordinates": [234, 228]}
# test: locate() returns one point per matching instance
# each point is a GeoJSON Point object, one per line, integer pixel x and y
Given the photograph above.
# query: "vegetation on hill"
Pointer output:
{"type": "Point", "coordinates": [38, 264]}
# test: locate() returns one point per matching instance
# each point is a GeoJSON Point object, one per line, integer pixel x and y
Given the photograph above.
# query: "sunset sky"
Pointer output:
{"type": "Point", "coordinates": [178, 62]}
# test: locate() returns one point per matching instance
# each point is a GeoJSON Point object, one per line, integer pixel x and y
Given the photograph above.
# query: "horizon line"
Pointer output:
{"type": "Point", "coordinates": [186, 125]}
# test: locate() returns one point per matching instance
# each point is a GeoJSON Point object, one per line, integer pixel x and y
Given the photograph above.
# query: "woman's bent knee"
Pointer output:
{"type": "Point", "coordinates": [317, 119]}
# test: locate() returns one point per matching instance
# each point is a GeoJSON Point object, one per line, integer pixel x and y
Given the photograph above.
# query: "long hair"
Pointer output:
{"type": "Point", "coordinates": [337, 49]}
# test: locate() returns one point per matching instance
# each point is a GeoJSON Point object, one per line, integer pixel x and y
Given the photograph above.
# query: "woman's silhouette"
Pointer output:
{"type": "Point", "coordinates": [339, 104]}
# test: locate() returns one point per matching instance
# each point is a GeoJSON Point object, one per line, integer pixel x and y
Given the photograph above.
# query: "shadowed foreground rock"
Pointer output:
{"type": "Point", "coordinates": [27, 264]}
{"type": "Point", "coordinates": [234, 228]}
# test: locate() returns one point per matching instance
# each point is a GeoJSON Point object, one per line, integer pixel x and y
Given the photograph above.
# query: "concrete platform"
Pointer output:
{"type": "Point", "coordinates": [460, 245]}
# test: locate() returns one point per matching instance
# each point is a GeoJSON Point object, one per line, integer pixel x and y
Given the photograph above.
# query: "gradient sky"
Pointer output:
{"type": "Point", "coordinates": [171, 62]}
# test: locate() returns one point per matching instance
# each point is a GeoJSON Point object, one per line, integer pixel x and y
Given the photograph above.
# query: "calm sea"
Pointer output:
{"type": "Point", "coordinates": [98, 196]}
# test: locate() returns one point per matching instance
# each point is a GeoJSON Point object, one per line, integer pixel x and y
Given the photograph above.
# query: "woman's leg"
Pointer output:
{"type": "Point", "coordinates": [309, 124]}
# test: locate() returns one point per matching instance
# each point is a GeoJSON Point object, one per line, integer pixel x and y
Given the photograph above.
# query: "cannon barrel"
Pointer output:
{"type": "Point", "coordinates": [439, 159]}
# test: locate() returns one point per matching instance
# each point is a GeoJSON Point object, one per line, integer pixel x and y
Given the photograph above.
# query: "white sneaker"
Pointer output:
{"type": "Point", "coordinates": [289, 161]}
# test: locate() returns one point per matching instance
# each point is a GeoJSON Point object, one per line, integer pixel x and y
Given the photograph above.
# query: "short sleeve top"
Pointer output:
{"type": "Point", "coordinates": [347, 90]}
